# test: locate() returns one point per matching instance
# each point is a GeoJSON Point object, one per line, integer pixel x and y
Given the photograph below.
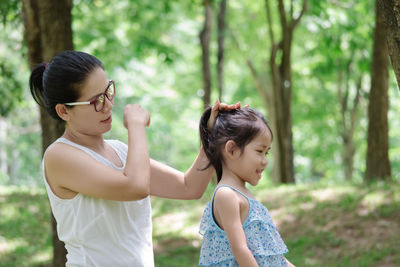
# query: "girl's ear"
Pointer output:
{"type": "Point", "coordinates": [231, 149]}
{"type": "Point", "coordinates": [62, 112]}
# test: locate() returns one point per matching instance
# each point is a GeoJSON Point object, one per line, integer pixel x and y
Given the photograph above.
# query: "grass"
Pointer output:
{"type": "Point", "coordinates": [322, 225]}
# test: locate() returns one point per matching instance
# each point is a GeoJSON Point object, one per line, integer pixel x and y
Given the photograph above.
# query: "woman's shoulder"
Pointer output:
{"type": "Point", "coordinates": [117, 144]}
{"type": "Point", "coordinates": [63, 154]}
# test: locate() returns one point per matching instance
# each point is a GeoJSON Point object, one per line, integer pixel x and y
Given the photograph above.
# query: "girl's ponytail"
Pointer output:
{"type": "Point", "coordinates": [36, 84]}
{"type": "Point", "coordinates": [204, 132]}
{"type": "Point", "coordinates": [208, 143]}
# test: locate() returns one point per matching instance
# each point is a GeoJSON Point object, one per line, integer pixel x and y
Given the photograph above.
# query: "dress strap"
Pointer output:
{"type": "Point", "coordinates": [224, 185]}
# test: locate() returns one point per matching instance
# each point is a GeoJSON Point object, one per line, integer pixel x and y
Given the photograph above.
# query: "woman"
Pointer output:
{"type": "Point", "coordinates": [99, 189]}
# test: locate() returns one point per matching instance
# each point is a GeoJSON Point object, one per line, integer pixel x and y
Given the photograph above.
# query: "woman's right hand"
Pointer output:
{"type": "Point", "coordinates": [135, 114]}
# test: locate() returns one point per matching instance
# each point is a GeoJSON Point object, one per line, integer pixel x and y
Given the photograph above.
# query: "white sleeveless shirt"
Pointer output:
{"type": "Point", "coordinates": [99, 232]}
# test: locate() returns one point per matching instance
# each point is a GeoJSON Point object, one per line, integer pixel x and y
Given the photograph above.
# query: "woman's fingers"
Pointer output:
{"type": "Point", "coordinates": [216, 108]}
{"type": "Point", "coordinates": [213, 115]}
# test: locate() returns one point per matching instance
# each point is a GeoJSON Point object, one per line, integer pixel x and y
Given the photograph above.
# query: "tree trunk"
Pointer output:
{"type": "Point", "coordinates": [391, 16]}
{"type": "Point", "coordinates": [48, 32]}
{"type": "Point", "coordinates": [349, 118]}
{"type": "Point", "coordinates": [221, 47]}
{"type": "Point", "coordinates": [205, 48]}
{"type": "Point", "coordinates": [3, 148]}
{"type": "Point", "coordinates": [264, 90]}
{"type": "Point", "coordinates": [281, 77]}
{"type": "Point", "coordinates": [348, 155]}
{"type": "Point", "coordinates": [378, 164]}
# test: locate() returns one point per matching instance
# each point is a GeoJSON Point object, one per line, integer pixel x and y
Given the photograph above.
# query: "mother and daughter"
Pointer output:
{"type": "Point", "coordinates": [99, 189]}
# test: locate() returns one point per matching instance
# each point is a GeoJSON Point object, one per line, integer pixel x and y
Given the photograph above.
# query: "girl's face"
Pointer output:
{"type": "Point", "coordinates": [84, 118]}
{"type": "Point", "coordinates": [253, 160]}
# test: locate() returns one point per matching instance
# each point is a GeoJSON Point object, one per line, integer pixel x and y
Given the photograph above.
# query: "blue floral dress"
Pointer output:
{"type": "Point", "coordinates": [262, 237]}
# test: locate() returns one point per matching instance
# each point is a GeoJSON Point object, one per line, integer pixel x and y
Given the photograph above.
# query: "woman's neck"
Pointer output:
{"type": "Point", "coordinates": [94, 142]}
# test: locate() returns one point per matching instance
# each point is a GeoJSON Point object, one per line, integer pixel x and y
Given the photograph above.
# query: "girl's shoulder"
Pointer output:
{"type": "Point", "coordinates": [231, 192]}
{"type": "Point", "coordinates": [227, 194]}
{"type": "Point", "coordinates": [230, 202]}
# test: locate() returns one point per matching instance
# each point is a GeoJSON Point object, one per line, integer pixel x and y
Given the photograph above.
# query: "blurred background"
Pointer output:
{"type": "Point", "coordinates": [318, 70]}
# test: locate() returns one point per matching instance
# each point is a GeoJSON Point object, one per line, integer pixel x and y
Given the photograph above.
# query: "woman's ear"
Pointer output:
{"type": "Point", "coordinates": [62, 112]}
{"type": "Point", "coordinates": [231, 149]}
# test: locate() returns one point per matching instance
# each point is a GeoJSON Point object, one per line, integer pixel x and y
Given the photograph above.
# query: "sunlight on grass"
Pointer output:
{"type": "Point", "coordinates": [176, 222]}
{"type": "Point", "coordinates": [358, 225]}
{"type": "Point", "coordinates": [42, 256]}
{"type": "Point", "coordinates": [9, 245]}
{"type": "Point", "coordinates": [8, 212]}
{"type": "Point", "coordinates": [374, 198]}
{"type": "Point", "coordinates": [24, 226]}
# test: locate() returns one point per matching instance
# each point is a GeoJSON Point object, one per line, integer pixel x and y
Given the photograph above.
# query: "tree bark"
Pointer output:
{"type": "Point", "coordinates": [48, 32]}
{"type": "Point", "coordinates": [391, 16]}
{"type": "Point", "coordinates": [281, 76]}
{"type": "Point", "coordinates": [205, 49]}
{"type": "Point", "coordinates": [349, 117]}
{"type": "Point", "coordinates": [378, 163]}
{"type": "Point", "coordinates": [264, 90]}
{"type": "Point", "coordinates": [3, 149]}
{"type": "Point", "coordinates": [221, 47]}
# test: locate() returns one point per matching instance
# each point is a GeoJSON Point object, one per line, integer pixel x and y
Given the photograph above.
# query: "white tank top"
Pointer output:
{"type": "Point", "coordinates": [99, 232]}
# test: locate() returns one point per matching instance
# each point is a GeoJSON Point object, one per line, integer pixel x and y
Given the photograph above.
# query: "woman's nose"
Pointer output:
{"type": "Point", "coordinates": [108, 104]}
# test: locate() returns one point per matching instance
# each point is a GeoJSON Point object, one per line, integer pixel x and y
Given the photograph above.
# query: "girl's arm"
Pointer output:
{"type": "Point", "coordinates": [227, 208]}
{"type": "Point", "coordinates": [289, 263]}
{"type": "Point", "coordinates": [168, 182]}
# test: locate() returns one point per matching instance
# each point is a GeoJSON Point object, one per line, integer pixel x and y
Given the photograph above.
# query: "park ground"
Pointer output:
{"type": "Point", "coordinates": [322, 225]}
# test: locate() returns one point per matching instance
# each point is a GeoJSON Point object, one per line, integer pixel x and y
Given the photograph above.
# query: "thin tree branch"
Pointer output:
{"type": "Point", "coordinates": [282, 15]}
{"type": "Point", "coordinates": [296, 21]}
{"type": "Point", "coordinates": [269, 19]}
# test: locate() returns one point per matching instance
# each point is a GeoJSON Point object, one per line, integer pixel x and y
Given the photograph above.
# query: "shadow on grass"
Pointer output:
{"type": "Point", "coordinates": [335, 225]}
{"type": "Point", "coordinates": [172, 250]}
{"type": "Point", "coordinates": [340, 225]}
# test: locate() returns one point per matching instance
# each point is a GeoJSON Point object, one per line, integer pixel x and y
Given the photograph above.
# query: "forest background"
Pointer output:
{"type": "Point", "coordinates": [175, 57]}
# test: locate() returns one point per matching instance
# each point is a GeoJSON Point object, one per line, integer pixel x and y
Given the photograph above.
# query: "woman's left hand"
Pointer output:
{"type": "Point", "coordinates": [216, 108]}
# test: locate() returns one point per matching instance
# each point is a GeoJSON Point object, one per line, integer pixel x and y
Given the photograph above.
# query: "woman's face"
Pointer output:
{"type": "Point", "coordinates": [84, 118]}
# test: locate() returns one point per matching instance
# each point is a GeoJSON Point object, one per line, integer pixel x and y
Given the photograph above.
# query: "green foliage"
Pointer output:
{"type": "Point", "coordinates": [10, 11]}
{"type": "Point", "coordinates": [152, 51]}
{"type": "Point", "coordinates": [125, 29]}
{"type": "Point", "coordinates": [11, 67]}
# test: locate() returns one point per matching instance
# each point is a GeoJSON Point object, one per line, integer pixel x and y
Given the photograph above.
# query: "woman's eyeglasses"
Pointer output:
{"type": "Point", "coordinates": [99, 101]}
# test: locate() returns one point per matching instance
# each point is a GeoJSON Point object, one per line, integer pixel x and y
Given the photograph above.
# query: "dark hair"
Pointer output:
{"type": "Point", "coordinates": [239, 125]}
{"type": "Point", "coordinates": [59, 80]}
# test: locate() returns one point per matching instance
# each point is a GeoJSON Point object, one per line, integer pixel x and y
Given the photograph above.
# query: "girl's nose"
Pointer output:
{"type": "Point", "coordinates": [264, 161]}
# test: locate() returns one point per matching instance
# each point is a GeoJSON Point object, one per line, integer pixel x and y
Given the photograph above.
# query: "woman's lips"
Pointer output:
{"type": "Point", "coordinates": [108, 120]}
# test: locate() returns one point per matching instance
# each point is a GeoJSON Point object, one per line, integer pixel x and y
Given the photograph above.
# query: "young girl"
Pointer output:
{"type": "Point", "coordinates": [236, 228]}
{"type": "Point", "coordinates": [99, 189]}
